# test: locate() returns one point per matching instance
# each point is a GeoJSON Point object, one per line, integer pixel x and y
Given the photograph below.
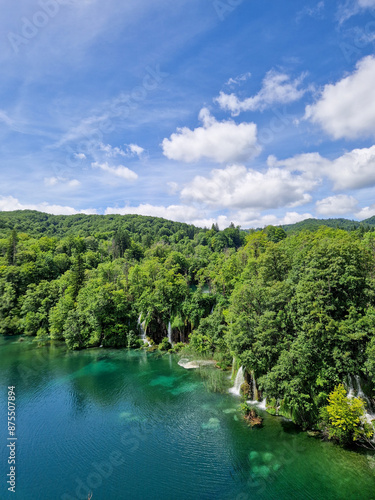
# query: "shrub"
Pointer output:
{"type": "Point", "coordinates": [164, 345]}
{"type": "Point", "coordinates": [344, 418]}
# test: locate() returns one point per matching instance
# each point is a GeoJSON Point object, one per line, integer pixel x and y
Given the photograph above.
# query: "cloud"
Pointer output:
{"type": "Point", "coordinates": [315, 12]}
{"type": "Point", "coordinates": [5, 118]}
{"type": "Point", "coordinates": [277, 88]}
{"type": "Point", "coordinates": [135, 150]}
{"type": "Point", "coordinates": [54, 181]}
{"type": "Point", "coordinates": [336, 205]}
{"type": "Point", "coordinates": [173, 187]}
{"type": "Point", "coordinates": [248, 220]}
{"type": "Point", "coordinates": [216, 141]}
{"type": "Point", "coordinates": [366, 212]}
{"type": "Point", "coordinates": [239, 187]}
{"type": "Point", "coordinates": [179, 213]}
{"type": "Point", "coordinates": [346, 109]}
{"type": "Point", "coordinates": [198, 217]}
{"type": "Point", "coordinates": [111, 151]}
{"type": "Point", "coordinates": [310, 163]}
{"type": "Point", "coordinates": [352, 170]}
{"type": "Point", "coordinates": [119, 171]}
{"type": "Point", "coordinates": [88, 129]}
{"type": "Point", "coordinates": [238, 79]}
{"type": "Point", "coordinates": [352, 7]}
{"type": "Point", "coordinates": [366, 4]}
{"type": "Point", "coordinates": [9, 203]}
{"type": "Point", "coordinates": [80, 156]}
{"type": "Point", "coordinates": [274, 220]}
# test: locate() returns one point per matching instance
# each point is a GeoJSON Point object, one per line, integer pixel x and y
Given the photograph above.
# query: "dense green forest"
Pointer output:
{"type": "Point", "coordinates": [296, 309]}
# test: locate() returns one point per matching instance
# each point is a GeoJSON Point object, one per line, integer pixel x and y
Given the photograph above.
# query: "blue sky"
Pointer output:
{"type": "Point", "coordinates": [199, 111]}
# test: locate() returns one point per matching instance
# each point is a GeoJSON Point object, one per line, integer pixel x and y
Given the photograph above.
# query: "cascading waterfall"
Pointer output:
{"type": "Point", "coordinates": [142, 327]}
{"type": "Point", "coordinates": [370, 412]}
{"type": "Point", "coordinates": [351, 391]}
{"type": "Point", "coordinates": [254, 401]}
{"type": "Point", "coordinates": [240, 379]}
{"type": "Point", "coordinates": [170, 333]}
{"type": "Point", "coordinates": [355, 389]}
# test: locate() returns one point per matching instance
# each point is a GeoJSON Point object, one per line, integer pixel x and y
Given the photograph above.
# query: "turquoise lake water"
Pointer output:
{"type": "Point", "coordinates": [132, 425]}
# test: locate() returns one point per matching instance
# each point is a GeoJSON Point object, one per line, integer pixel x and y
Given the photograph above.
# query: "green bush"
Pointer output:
{"type": "Point", "coordinates": [177, 347]}
{"type": "Point", "coordinates": [165, 345]}
{"type": "Point", "coordinates": [344, 418]}
{"type": "Point", "coordinates": [133, 341]}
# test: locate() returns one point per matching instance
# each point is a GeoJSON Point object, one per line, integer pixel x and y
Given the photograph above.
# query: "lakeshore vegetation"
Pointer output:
{"type": "Point", "coordinates": [295, 307]}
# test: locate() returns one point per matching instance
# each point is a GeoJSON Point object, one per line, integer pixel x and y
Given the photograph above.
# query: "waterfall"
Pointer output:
{"type": "Point", "coordinates": [142, 327]}
{"type": "Point", "coordinates": [254, 402]}
{"type": "Point", "coordinates": [262, 405]}
{"type": "Point", "coordinates": [255, 390]}
{"type": "Point", "coordinates": [170, 333]}
{"type": "Point", "coordinates": [351, 392]}
{"type": "Point", "coordinates": [356, 389]}
{"type": "Point", "coordinates": [370, 412]}
{"type": "Point", "coordinates": [240, 379]}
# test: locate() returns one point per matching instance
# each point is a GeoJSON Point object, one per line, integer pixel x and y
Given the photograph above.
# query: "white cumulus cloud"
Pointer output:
{"type": "Point", "coordinates": [346, 109]}
{"type": "Point", "coordinates": [221, 142]}
{"type": "Point", "coordinates": [336, 205]}
{"type": "Point", "coordinates": [135, 150]}
{"type": "Point", "coordinates": [200, 218]}
{"type": "Point", "coordinates": [80, 156]}
{"type": "Point", "coordinates": [111, 151]}
{"type": "Point", "coordinates": [366, 212]}
{"type": "Point", "coordinates": [251, 220]}
{"type": "Point", "coordinates": [238, 187]}
{"type": "Point", "coordinates": [62, 181]}
{"type": "Point", "coordinates": [119, 171]}
{"type": "Point", "coordinates": [179, 213]}
{"type": "Point", "coordinates": [277, 88]}
{"type": "Point", "coordinates": [9, 203]}
{"type": "Point", "coordinates": [353, 170]}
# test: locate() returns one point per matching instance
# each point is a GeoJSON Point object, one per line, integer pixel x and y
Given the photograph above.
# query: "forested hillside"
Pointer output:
{"type": "Point", "coordinates": [297, 311]}
{"type": "Point", "coordinates": [315, 224]}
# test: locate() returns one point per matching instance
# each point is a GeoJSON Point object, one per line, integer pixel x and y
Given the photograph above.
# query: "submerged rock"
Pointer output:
{"type": "Point", "coordinates": [262, 471]}
{"type": "Point", "coordinates": [230, 410]}
{"type": "Point", "coordinates": [212, 424]}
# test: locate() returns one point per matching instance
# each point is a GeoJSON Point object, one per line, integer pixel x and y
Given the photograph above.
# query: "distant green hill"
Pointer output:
{"type": "Point", "coordinates": [315, 224]}
{"type": "Point", "coordinates": [39, 224]}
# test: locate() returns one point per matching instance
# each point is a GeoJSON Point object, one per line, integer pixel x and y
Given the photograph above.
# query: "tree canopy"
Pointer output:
{"type": "Point", "coordinates": [296, 309]}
